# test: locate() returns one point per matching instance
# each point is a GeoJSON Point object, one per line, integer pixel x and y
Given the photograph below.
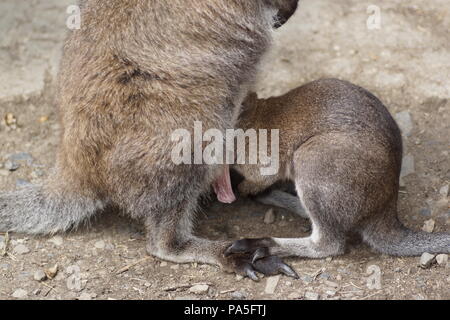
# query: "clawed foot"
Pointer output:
{"type": "Point", "coordinates": [249, 256]}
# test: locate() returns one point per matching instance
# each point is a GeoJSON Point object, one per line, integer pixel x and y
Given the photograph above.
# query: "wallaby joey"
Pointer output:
{"type": "Point", "coordinates": [135, 72]}
{"type": "Point", "coordinates": [343, 150]}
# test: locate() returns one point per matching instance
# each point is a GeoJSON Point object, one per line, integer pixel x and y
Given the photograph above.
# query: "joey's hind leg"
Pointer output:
{"type": "Point", "coordinates": [318, 245]}
{"type": "Point", "coordinates": [328, 223]}
{"type": "Point", "coordinates": [283, 200]}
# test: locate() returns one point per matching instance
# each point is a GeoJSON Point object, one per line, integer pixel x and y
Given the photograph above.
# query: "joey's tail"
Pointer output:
{"type": "Point", "coordinates": [395, 239]}
{"type": "Point", "coordinates": [36, 210]}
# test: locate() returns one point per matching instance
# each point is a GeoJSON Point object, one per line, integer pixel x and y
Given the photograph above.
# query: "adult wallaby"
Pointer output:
{"type": "Point", "coordinates": [343, 150]}
{"type": "Point", "coordinates": [136, 71]}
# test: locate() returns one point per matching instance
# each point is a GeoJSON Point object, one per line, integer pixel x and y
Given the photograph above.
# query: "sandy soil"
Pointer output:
{"type": "Point", "coordinates": [406, 62]}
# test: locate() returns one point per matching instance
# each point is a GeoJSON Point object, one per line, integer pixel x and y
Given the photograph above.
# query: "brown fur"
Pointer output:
{"type": "Point", "coordinates": [135, 72]}
{"type": "Point", "coordinates": [343, 150]}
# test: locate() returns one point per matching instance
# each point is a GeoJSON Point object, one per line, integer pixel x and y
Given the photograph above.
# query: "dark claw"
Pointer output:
{"type": "Point", "coordinates": [288, 271]}
{"type": "Point", "coordinates": [273, 265]}
{"type": "Point", "coordinates": [251, 273]}
{"type": "Point", "coordinates": [260, 253]}
{"type": "Point", "coordinates": [249, 256]}
{"type": "Point", "coordinates": [239, 246]}
{"type": "Point", "coordinates": [249, 245]}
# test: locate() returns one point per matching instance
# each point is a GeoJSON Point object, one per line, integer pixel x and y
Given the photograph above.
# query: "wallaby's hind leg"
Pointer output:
{"type": "Point", "coordinates": [174, 241]}
{"type": "Point", "coordinates": [165, 197]}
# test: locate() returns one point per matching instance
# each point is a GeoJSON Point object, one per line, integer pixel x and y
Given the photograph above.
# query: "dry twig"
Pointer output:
{"type": "Point", "coordinates": [6, 243]}
{"type": "Point", "coordinates": [185, 286]}
{"type": "Point", "coordinates": [128, 267]}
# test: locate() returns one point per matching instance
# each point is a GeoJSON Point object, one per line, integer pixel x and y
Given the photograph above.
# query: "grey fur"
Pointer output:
{"type": "Point", "coordinates": [343, 150]}
{"type": "Point", "coordinates": [283, 200]}
{"type": "Point", "coordinates": [134, 73]}
{"type": "Point", "coordinates": [32, 210]}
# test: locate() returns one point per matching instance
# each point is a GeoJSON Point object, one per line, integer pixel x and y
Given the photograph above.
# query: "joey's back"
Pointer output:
{"type": "Point", "coordinates": [320, 107]}
{"type": "Point", "coordinates": [343, 151]}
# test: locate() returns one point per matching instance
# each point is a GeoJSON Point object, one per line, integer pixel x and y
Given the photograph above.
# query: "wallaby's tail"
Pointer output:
{"type": "Point", "coordinates": [395, 239]}
{"type": "Point", "coordinates": [35, 210]}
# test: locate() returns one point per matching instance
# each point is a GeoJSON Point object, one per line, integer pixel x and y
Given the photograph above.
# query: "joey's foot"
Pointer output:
{"type": "Point", "coordinates": [249, 256]}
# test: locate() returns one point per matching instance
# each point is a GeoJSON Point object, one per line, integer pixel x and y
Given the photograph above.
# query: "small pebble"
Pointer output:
{"type": "Point", "coordinates": [4, 266]}
{"type": "Point", "coordinates": [324, 276]}
{"type": "Point", "coordinates": [39, 275]}
{"type": "Point", "coordinates": [85, 296]}
{"type": "Point", "coordinates": [441, 205]}
{"type": "Point", "coordinates": [271, 284]}
{"type": "Point", "coordinates": [239, 295]}
{"type": "Point", "coordinates": [37, 173]}
{"type": "Point", "coordinates": [331, 284]}
{"type": "Point", "coordinates": [11, 121]}
{"type": "Point", "coordinates": [425, 212]}
{"type": "Point", "coordinates": [407, 166]}
{"type": "Point", "coordinates": [20, 294]}
{"type": "Point", "coordinates": [56, 240]}
{"type": "Point", "coordinates": [43, 119]}
{"type": "Point", "coordinates": [51, 272]}
{"type": "Point", "coordinates": [330, 293]}
{"type": "Point", "coordinates": [405, 123]}
{"type": "Point", "coordinates": [311, 296]}
{"type": "Point", "coordinates": [442, 259]}
{"type": "Point", "coordinates": [21, 183]}
{"type": "Point", "coordinates": [428, 226]}
{"type": "Point", "coordinates": [163, 264]}
{"type": "Point", "coordinates": [187, 298]}
{"type": "Point", "coordinates": [11, 166]}
{"type": "Point", "coordinates": [426, 260]}
{"type": "Point", "coordinates": [100, 244]}
{"type": "Point", "coordinates": [199, 289]}
{"type": "Point", "coordinates": [444, 191]}
{"type": "Point", "coordinates": [269, 217]}
{"type": "Point", "coordinates": [21, 249]}
{"type": "Point", "coordinates": [21, 156]}
{"type": "Point", "coordinates": [294, 296]}
{"type": "Point", "coordinates": [307, 279]}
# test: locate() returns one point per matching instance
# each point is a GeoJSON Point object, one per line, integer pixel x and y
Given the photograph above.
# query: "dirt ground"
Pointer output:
{"type": "Point", "coordinates": [406, 62]}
